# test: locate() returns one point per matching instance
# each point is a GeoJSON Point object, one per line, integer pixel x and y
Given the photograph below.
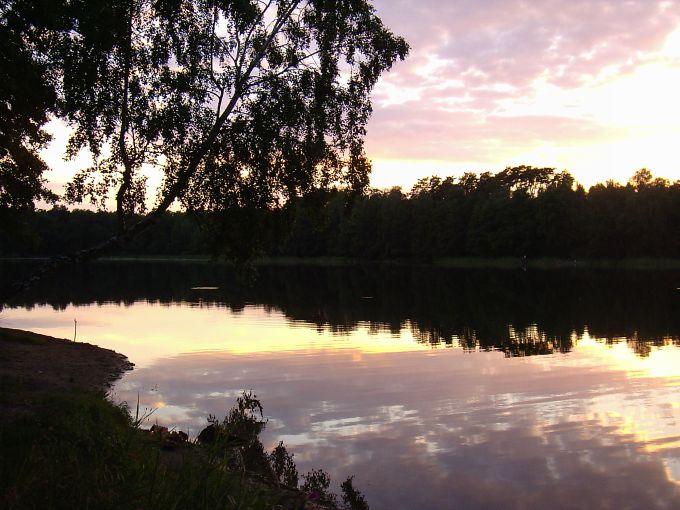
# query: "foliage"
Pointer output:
{"type": "Point", "coordinates": [236, 438]}
{"type": "Point", "coordinates": [352, 497]}
{"type": "Point", "coordinates": [316, 484]}
{"type": "Point", "coordinates": [520, 211]}
{"type": "Point", "coordinates": [246, 419]}
{"type": "Point", "coordinates": [235, 104]}
{"type": "Point", "coordinates": [27, 97]}
{"type": "Point", "coordinates": [283, 466]}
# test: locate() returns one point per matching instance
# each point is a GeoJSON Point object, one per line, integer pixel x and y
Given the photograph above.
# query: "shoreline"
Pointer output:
{"type": "Point", "coordinates": [33, 366]}
{"type": "Point", "coordinates": [57, 423]}
{"type": "Point", "coordinates": [538, 263]}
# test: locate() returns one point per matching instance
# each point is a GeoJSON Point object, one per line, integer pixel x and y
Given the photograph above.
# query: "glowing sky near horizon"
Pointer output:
{"type": "Point", "coordinates": [590, 86]}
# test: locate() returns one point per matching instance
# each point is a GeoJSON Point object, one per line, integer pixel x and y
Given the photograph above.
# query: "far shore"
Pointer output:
{"type": "Point", "coordinates": [646, 263]}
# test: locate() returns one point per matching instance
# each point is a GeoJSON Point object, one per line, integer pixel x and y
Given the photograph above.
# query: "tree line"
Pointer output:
{"type": "Point", "coordinates": [521, 211]}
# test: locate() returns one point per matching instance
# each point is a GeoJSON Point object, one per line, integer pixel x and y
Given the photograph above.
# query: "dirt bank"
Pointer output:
{"type": "Point", "coordinates": [32, 366]}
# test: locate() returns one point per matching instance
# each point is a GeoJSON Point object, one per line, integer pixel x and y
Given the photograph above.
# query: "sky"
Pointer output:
{"type": "Point", "coordinates": [588, 86]}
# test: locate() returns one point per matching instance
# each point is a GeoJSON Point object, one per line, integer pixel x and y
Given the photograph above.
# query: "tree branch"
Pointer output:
{"type": "Point", "coordinates": [239, 88]}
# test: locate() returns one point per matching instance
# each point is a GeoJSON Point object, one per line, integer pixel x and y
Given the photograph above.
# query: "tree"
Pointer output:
{"type": "Point", "coordinates": [247, 102]}
{"type": "Point", "coordinates": [27, 97]}
{"type": "Point", "coordinates": [641, 179]}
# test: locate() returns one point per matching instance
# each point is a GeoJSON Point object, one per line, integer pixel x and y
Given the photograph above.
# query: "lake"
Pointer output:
{"type": "Point", "coordinates": [437, 388]}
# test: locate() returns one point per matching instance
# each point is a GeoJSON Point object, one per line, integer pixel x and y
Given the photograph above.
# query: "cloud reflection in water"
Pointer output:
{"type": "Point", "coordinates": [445, 428]}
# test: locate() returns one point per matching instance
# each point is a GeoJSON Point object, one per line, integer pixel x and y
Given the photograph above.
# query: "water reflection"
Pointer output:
{"type": "Point", "coordinates": [559, 389]}
{"type": "Point", "coordinates": [443, 429]}
{"type": "Point", "coordinates": [519, 313]}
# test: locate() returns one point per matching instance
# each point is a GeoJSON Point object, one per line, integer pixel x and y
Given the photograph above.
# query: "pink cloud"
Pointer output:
{"type": "Point", "coordinates": [471, 58]}
{"type": "Point", "coordinates": [434, 133]}
{"type": "Point", "coordinates": [514, 41]}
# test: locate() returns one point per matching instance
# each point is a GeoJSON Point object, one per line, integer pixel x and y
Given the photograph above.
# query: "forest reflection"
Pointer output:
{"type": "Point", "coordinates": [518, 313]}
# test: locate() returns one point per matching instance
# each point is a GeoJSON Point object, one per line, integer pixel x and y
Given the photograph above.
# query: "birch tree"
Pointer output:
{"type": "Point", "coordinates": [233, 102]}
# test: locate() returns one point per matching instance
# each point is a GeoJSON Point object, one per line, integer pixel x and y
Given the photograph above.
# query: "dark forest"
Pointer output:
{"type": "Point", "coordinates": [521, 211]}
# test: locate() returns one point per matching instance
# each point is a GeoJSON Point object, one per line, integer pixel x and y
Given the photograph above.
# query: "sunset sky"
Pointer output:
{"type": "Point", "coordinates": [590, 86]}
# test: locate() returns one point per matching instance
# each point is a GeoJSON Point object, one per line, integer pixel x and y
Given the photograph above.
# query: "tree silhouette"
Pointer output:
{"type": "Point", "coordinates": [27, 98]}
{"type": "Point", "coordinates": [237, 103]}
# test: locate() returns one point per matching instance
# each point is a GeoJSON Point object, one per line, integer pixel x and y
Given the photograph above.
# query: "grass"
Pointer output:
{"type": "Point", "coordinates": [85, 452]}
{"type": "Point", "coordinates": [20, 336]}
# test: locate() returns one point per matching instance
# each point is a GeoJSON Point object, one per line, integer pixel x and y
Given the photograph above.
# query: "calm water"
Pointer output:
{"type": "Point", "coordinates": [437, 388]}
